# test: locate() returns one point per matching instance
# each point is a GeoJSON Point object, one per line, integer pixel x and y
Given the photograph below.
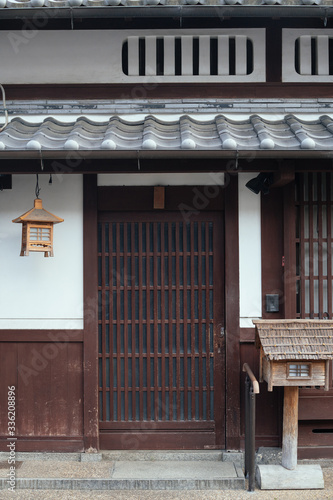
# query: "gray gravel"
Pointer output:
{"type": "Point", "coordinates": [175, 495]}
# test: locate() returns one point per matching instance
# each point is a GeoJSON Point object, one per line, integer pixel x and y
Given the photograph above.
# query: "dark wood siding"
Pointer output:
{"type": "Point", "coordinates": [268, 404]}
{"type": "Point", "coordinates": [308, 292]}
{"type": "Point", "coordinates": [47, 376]}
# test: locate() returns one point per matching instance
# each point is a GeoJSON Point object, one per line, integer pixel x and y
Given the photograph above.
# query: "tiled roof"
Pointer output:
{"type": "Point", "coordinates": [182, 133]}
{"type": "Point", "coordinates": [135, 3]}
{"type": "Point", "coordinates": [296, 339]}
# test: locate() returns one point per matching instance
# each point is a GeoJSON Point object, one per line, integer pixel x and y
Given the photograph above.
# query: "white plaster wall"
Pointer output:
{"type": "Point", "coordinates": [38, 292]}
{"type": "Point", "coordinates": [164, 179]}
{"type": "Point", "coordinates": [249, 252]}
{"type": "Point", "coordinates": [95, 56]}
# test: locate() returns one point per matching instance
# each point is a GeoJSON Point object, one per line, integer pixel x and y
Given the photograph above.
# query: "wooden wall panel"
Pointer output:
{"type": "Point", "coordinates": [268, 404]}
{"type": "Point", "coordinates": [189, 198]}
{"type": "Point", "coordinates": [272, 249]}
{"type": "Point", "coordinates": [8, 377]}
{"type": "Point", "coordinates": [318, 433]}
{"type": "Point", "coordinates": [48, 379]}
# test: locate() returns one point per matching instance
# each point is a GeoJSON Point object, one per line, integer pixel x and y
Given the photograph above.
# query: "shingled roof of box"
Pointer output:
{"type": "Point", "coordinates": [219, 133]}
{"type": "Point", "coordinates": [296, 339]}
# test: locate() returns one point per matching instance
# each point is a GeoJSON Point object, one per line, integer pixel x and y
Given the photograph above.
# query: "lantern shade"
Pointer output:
{"type": "Point", "coordinates": [37, 230]}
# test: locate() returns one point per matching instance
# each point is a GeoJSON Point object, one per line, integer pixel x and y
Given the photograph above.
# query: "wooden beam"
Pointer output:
{"type": "Point", "coordinates": [233, 367]}
{"type": "Point", "coordinates": [90, 283]}
{"type": "Point", "coordinates": [284, 175]}
{"type": "Point", "coordinates": [290, 428]}
{"type": "Point", "coordinates": [289, 219]}
{"type": "Point", "coordinates": [233, 90]}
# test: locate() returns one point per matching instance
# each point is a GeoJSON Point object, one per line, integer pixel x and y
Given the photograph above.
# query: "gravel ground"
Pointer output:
{"type": "Point", "coordinates": [68, 470]}
{"type": "Point", "coordinates": [175, 495]}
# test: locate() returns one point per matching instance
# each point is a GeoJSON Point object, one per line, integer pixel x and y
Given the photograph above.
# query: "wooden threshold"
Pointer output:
{"type": "Point", "coordinates": [158, 440]}
{"type": "Point", "coordinates": [61, 445]}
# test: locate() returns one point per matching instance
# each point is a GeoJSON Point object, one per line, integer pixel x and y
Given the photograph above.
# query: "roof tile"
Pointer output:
{"type": "Point", "coordinates": [219, 133]}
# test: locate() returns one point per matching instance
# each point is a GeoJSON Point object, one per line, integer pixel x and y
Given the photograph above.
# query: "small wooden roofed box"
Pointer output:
{"type": "Point", "coordinates": [295, 352]}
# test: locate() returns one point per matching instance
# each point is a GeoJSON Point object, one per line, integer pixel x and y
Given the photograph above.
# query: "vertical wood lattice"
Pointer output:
{"type": "Point", "coordinates": [156, 343]}
{"type": "Point", "coordinates": [314, 243]}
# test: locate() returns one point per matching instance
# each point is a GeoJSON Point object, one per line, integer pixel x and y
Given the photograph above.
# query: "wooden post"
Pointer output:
{"type": "Point", "coordinates": [290, 428]}
{"type": "Point", "coordinates": [90, 347]}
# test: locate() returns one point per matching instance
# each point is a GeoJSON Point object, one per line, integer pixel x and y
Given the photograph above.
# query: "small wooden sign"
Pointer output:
{"type": "Point", "coordinates": [159, 197]}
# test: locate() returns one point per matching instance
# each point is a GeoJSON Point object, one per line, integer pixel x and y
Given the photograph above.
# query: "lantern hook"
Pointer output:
{"type": "Point", "coordinates": [37, 190]}
{"type": "Point", "coordinates": [41, 160]}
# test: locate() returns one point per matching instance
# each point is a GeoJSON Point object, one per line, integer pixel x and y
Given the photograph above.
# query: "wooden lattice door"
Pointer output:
{"type": "Point", "coordinates": [161, 343]}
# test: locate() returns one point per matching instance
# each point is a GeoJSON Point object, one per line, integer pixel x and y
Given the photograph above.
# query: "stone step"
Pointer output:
{"type": "Point", "coordinates": [151, 455]}
{"type": "Point", "coordinates": [138, 475]}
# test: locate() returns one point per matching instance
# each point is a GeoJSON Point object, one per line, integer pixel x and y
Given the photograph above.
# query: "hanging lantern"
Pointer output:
{"type": "Point", "coordinates": [37, 230]}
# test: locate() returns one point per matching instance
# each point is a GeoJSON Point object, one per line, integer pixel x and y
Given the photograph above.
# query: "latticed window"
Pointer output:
{"type": "Point", "coordinates": [314, 243]}
{"type": "Point", "coordinates": [40, 234]}
{"type": "Point", "coordinates": [296, 370]}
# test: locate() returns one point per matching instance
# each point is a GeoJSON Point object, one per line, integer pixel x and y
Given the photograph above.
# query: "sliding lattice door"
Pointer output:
{"type": "Point", "coordinates": [161, 352]}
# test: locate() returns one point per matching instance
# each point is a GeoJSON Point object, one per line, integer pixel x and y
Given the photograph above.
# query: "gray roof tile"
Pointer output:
{"type": "Point", "coordinates": [219, 133]}
{"type": "Point", "coordinates": [17, 4]}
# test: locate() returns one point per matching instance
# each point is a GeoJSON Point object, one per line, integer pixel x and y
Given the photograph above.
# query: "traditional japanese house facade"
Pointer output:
{"type": "Point", "coordinates": [151, 118]}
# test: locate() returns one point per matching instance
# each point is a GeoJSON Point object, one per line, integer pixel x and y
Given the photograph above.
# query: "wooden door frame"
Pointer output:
{"type": "Point", "coordinates": [91, 203]}
{"type": "Point", "coordinates": [232, 331]}
{"type": "Point", "coordinates": [178, 434]}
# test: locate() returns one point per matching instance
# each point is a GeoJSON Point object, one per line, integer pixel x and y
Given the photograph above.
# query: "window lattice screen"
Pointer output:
{"type": "Point", "coordinates": [156, 352]}
{"type": "Point", "coordinates": [314, 244]}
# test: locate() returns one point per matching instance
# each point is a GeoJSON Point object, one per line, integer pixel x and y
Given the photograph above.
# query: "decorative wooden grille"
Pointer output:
{"type": "Point", "coordinates": [314, 244]}
{"type": "Point", "coordinates": [156, 348]}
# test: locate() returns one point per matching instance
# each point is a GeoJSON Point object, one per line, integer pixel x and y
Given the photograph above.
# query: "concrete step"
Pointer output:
{"type": "Point", "coordinates": [167, 455]}
{"type": "Point", "coordinates": [152, 471]}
